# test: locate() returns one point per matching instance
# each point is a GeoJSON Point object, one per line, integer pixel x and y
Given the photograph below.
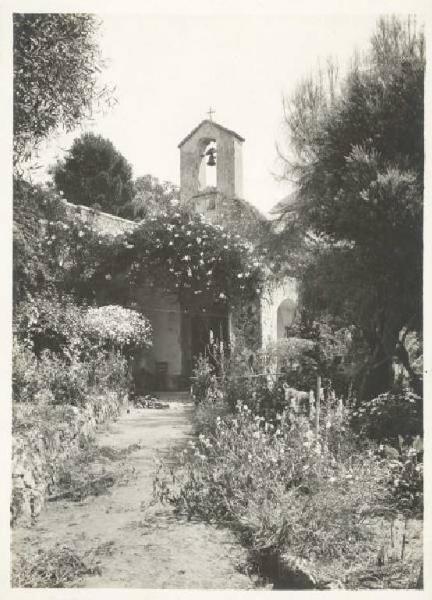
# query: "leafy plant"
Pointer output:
{"type": "Point", "coordinates": [56, 568]}
{"type": "Point", "coordinates": [119, 327]}
{"type": "Point", "coordinates": [390, 415]}
{"type": "Point", "coordinates": [281, 487]}
{"type": "Point", "coordinates": [94, 173]}
{"type": "Point", "coordinates": [56, 66]}
{"type": "Point", "coordinates": [355, 153]}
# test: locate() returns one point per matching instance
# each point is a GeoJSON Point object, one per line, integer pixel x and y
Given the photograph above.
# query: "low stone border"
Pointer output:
{"type": "Point", "coordinates": [43, 437]}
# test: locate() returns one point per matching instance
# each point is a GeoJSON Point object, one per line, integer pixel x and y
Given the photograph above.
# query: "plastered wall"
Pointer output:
{"type": "Point", "coordinates": [270, 302]}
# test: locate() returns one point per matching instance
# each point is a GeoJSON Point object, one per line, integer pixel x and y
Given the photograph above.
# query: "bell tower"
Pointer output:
{"type": "Point", "coordinates": [211, 169]}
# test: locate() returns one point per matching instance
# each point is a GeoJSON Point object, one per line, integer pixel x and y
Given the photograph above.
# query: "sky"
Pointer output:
{"type": "Point", "coordinates": [169, 69]}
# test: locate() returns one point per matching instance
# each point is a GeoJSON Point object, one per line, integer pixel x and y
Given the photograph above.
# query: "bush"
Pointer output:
{"type": "Point", "coordinates": [25, 382]}
{"type": "Point", "coordinates": [64, 352]}
{"type": "Point", "coordinates": [49, 379]}
{"type": "Point", "coordinates": [390, 415]}
{"type": "Point", "coordinates": [280, 486]}
{"type": "Point", "coordinates": [407, 477]}
{"type": "Point", "coordinates": [117, 327]}
{"type": "Point", "coordinates": [56, 568]}
{"type": "Point", "coordinates": [49, 322]}
{"type": "Point", "coordinates": [233, 379]}
{"type": "Point", "coordinates": [204, 381]}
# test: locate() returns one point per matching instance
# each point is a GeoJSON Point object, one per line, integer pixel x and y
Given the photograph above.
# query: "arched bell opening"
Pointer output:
{"type": "Point", "coordinates": [208, 165]}
{"type": "Point", "coordinates": [285, 318]}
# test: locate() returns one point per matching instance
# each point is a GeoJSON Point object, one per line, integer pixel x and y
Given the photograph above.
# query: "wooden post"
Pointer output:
{"type": "Point", "coordinates": [317, 404]}
{"type": "Point", "coordinates": [404, 537]}
{"type": "Point", "coordinates": [311, 405]}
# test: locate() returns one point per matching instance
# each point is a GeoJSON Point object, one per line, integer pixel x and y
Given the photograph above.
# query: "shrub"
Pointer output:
{"type": "Point", "coordinates": [384, 418]}
{"type": "Point", "coordinates": [25, 383]}
{"type": "Point", "coordinates": [48, 378]}
{"type": "Point", "coordinates": [57, 567]}
{"type": "Point", "coordinates": [117, 327]}
{"type": "Point", "coordinates": [407, 477]}
{"type": "Point", "coordinates": [59, 324]}
{"type": "Point", "coordinates": [204, 381]}
{"type": "Point", "coordinates": [279, 485]}
{"type": "Point", "coordinates": [47, 322]}
{"type": "Point", "coordinates": [296, 359]}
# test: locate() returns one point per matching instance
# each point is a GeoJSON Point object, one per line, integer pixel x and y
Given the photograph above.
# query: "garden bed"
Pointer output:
{"type": "Point", "coordinates": [44, 438]}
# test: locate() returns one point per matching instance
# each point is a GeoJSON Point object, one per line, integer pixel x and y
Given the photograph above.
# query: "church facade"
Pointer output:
{"type": "Point", "coordinates": [211, 183]}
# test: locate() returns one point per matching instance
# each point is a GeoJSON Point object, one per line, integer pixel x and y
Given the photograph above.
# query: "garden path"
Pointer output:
{"type": "Point", "coordinates": [138, 545]}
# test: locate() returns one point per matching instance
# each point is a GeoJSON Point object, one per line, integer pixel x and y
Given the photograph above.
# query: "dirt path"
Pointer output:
{"type": "Point", "coordinates": [137, 545]}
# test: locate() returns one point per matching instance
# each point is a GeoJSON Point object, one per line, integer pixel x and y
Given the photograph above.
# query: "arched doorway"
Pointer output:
{"type": "Point", "coordinates": [285, 318]}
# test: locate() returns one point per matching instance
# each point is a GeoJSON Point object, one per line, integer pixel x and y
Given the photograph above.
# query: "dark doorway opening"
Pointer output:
{"type": "Point", "coordinates": [203, 332]}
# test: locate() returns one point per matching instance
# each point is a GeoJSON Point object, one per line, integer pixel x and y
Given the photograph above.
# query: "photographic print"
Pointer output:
{"type": "Point", "coordinates": [217, 369]}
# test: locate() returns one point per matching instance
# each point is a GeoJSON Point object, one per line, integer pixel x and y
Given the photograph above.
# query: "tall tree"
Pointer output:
{"type": "Point", "coordinates": [151, 197]}
{"type": "Point", "coordinates": [356, 157]}
{"type": "Point", "coordinates": [56, 67]}
{"type": "Point", "coordinates": [94, 174]}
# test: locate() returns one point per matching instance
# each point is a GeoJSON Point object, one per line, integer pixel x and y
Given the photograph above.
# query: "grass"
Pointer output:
{"type": "Point", "coordinates": [54, 568]}
{"type": "Point", "coordinates": [92, 471]}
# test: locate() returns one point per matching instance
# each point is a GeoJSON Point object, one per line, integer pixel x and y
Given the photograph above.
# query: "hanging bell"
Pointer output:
{"type": "Point", "coordinates": [211, 158]}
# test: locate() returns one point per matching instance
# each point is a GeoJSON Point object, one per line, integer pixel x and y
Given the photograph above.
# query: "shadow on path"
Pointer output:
{"type": "Point", "coordinates": [137, 544]}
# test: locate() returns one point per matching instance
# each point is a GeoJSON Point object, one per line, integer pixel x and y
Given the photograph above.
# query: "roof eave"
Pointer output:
{"type": "Point", "coordinates": [195, 129]}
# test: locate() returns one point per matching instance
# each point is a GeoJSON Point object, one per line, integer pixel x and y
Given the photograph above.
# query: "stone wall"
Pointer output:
{"type": "Point", "coordinates": [271, 300]}
{"type": "Point", "coordinates": [43, 439]}
{"type": "Point", "coordinates": [102, 222]}
{"type": "Point", "coordinates": [228, 161]}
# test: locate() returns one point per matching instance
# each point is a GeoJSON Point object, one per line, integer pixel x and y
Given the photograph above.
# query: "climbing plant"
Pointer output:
{"type": "Point", "coordinates": [182, 254]}
{"type": "Point", "coordinates": [174, 251]}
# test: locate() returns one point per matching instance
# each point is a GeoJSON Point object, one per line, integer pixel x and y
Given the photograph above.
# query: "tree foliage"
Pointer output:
{"type": "Point", "coordinates": [56, 68]}
{"type": "Point", "coordinates": [356, 157]}
{"type": "Point", "coordinates": [94, 174]}
{"type": "Point", "coordinates": [151, 198]}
